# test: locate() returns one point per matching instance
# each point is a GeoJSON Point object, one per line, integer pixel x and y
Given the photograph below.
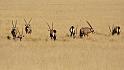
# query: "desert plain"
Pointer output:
{"type": "Point", "coordinates": [99, 51]}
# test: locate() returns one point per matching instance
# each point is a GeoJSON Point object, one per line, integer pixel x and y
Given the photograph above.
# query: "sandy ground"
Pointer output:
{"type": "Point", "coordinates": [99, 51]}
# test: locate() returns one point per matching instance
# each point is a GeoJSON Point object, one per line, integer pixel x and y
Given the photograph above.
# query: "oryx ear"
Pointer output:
{"type": "Point", "coordinates": [119, 27]}
{"type": "Point", "coordinates": [29, 25]}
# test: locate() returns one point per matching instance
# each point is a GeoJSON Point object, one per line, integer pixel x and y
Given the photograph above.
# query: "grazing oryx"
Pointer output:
{"type": "Point", "coordinates": [72, 31]}
{"type": "Point", "coordinates": [52, 32]}
{"type": "Point", "coordinates": [28, 29]}
{"type": "Point", "coordinates": [115, 30]}
{"type": "Point", "coordinates": [14, 30]}
{"type": "Point", "coordinates": [20, 36]}
{"type": "Point", "coordinates": [86, 30]}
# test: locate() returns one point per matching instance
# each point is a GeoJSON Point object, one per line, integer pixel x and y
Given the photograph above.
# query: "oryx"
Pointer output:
{"type": "Point", "coordinates": [52, 32]}
{"type": "Point", "coordinates": [20, 35]}
{"type": "Point", "coordinates": [84, 31]}
{"type": "Point", "coordinates": [72, 31]}
{"type": "Point", "coordinates": [28, 29]}
{"type": "Point", "coordinates": [14, 30]}
{"type": "Point", "coordinates": [115, 30]}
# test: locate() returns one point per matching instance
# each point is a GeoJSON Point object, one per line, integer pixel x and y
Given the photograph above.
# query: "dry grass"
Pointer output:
{"type": "Point", "coordinates": [99, 51]}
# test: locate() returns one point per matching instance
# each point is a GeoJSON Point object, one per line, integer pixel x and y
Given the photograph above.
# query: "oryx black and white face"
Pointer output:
{"type": "Point", "coordinates": [14, 30]}
{"type": "Point", "coordinates": [28, 29]}
{"type": "Point", "coordinates": [53, 34]}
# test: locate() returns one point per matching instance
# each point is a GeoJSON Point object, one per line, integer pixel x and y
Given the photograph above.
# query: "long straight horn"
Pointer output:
{"type": "Point", "coordinates": [25, 21]}
{"type": "Point", "coordinates": [109, 28]}
{"type": "Point", "coordinates": [46, 23]}
{"type": "Point", "coordinates": [12, 23]}
{"type": "Point", "coordinates": [15, 23]}
{"type": "Point", "coordinates": [113, 27]}
{"type": "Point", "coordinates": [89, 24]}
{"type": "Point", "coordinates": [52, 25]}
{"type": "Point", "coordinates": [30, 21]}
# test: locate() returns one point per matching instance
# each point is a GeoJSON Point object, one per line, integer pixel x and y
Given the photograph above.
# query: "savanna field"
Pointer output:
{"type": "Point", "coordinates": [98, 51]}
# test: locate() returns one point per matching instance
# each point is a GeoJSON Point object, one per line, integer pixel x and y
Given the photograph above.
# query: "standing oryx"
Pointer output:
{"type": "Point", "coordinates": [115, 30]}
{"type": "Point", "coordinates": [86, 30]}
{"type": "Point", "coordinates": [28, 29]}
{"type": "Point", "coordinates": [72, 31]}
{"type": "Point", "coordinates": [52, 32]}
{"type": "Point", "coordinates": [20, 36]}
{"type": "Point", "coordinates": [14, 30]}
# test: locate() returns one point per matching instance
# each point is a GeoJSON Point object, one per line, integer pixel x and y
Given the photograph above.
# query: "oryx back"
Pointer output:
{"type": "Point", "coordinates": [86, 30]}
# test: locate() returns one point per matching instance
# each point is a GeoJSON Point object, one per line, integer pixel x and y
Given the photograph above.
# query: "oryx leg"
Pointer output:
{"type": "Point", "coordinates": [51, 36]}
{"type": "Point", "coordinates": [80, 34]}
{"type": "Point", "coordinates": [71, 34]}
{"type": "Point", "coordinates": [54, 37]}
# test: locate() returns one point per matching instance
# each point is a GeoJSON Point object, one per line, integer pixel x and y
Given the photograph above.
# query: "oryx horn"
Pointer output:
{"type": "Point", "coordinates": [109, 28]}
{"type": "Point", "coordinates": [52, 25]}
{"type": "Point", "coordinates": [89, 24]}
{"type": "Point", "coordinates": [30, 21]}
{"type": "Point", "coordinates": [25, 21]}
{"type": "Point", "coordinates": [12, 23]}
{"type": "Point", "coordinates": [15, 23]}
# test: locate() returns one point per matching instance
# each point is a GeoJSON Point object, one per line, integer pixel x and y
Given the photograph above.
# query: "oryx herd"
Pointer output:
{"type": "Point", "coordinates": [83, 31]}
{"type": "Point", "coordinates": [16, 34]}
